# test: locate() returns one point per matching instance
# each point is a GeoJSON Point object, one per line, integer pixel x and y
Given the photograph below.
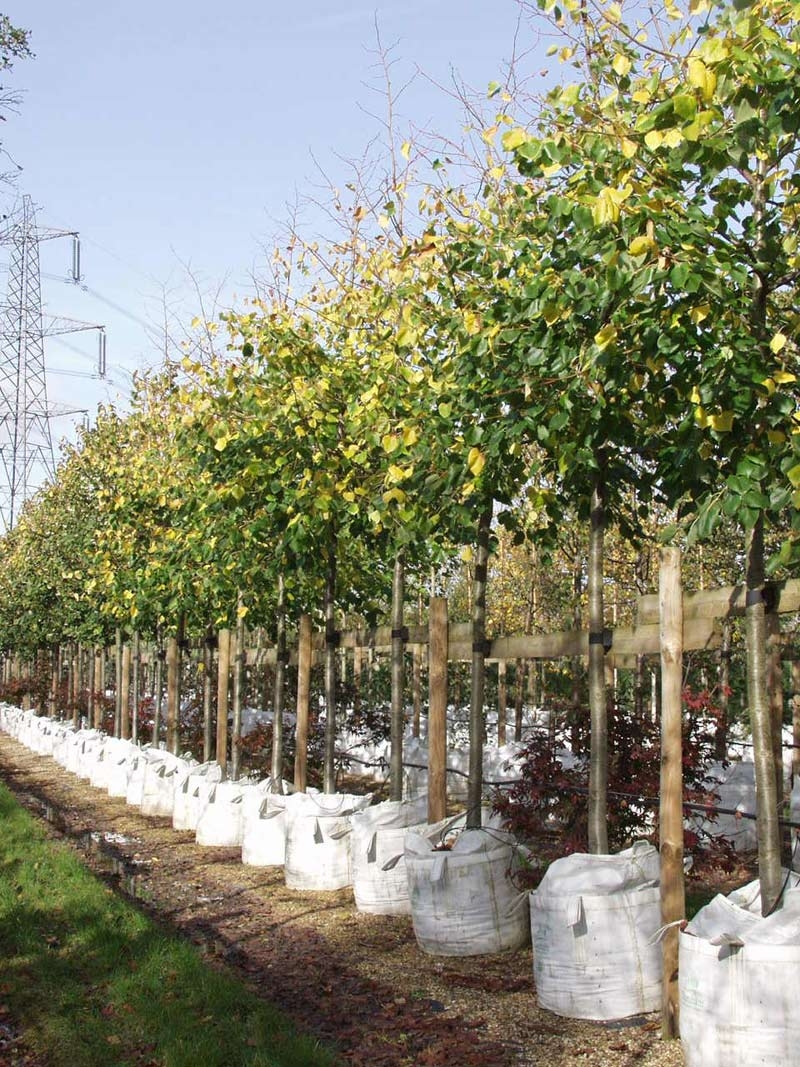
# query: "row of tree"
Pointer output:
{"type": "Point", "coordinates": [603, 329]}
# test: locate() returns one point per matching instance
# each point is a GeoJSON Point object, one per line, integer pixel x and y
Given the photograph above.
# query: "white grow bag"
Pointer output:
{"type": "Point", "coordinates": [463, 902]}
{"type": "Point", "coordinates": [190, 793]}
{"type": "Point", "coordinates": [220, 822]}
{"type": "Point", "coordinates": [738, 983]}
{"type": "Point", "coordinates": [158, 787]}
{"type": "Point", "coordinates": [115, 752]}
{"type": "Point", "coordinates": [137, 767]}
{"type": "Point", "coordinates": [88, 753]}
{"type": "Point", "coordinates": [264, 829]}
{"type": "Point", "coordinates": [318, 828]}
{"type": "Point", "coordinates": [380, 883]}
{"type": "Point", "coordinates": [594, 920]}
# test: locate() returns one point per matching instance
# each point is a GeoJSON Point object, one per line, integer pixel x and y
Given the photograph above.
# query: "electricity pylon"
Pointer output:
{"type": "Point", "coordinates": [26, 441]}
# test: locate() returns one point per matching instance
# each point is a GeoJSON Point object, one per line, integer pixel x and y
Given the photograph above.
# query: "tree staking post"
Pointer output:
{"type": "Point", "coordinates": [223, 684]}
{"type": "Point", "coordinates": [303, 702]}
{"type": "Point", "coordinates": [673, 903]}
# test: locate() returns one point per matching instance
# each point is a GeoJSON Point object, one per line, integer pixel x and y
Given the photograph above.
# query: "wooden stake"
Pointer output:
{"type": "Point", "coordinates": [279, 690]}
{"type": "Point", "coordinates": [673, 904]}
{"type": "Point", "coordinates": [238, 695]}
{"type": "Point", "coordinates": [124, 693]}
{"type": "Point", "coordinates": [303, 702]}
{"type": "Point", "coordinates": [208, 703]}
{"type": "Point", "coordinates": [437, 709]}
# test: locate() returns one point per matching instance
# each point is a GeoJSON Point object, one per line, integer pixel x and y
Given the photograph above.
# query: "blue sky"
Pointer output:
{"type": "Point", "coordinates": [172, 135]}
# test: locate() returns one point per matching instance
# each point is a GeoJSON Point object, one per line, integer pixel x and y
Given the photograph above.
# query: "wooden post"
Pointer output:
{"type": "Point", "coordinates": [303, 702]}
{"type": "Point", "coordinates": [598, 710]}
{"type": "Point", "coordinates": [437, 709]}
{"type": "Point", "coordinates": [99, 685]}
{"type": "Point", "coordinates": [502, 702]}
{"type": "Point", "coordinates": [398, 678]}
{"type": "Point", "coordinates": [54, 679]}
{"type": "Point", "coordinates": [519, 697]}
{"type": "Point", "coordinates": [238, 695]}
{"type": "Point", "coordinates": [673, 904]}
{"type": "Point", "coordinates": [124, 693]}
{"type": "Point", "coordinates": [223, 684]}
{"type": "Point", "coordinates": [90, 685]}
{"type": "Point", "coordinates": [208, 718]}
{"type": "Point", "coordinates": [173, 693]}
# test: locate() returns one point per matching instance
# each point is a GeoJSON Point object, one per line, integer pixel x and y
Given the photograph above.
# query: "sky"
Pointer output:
{"type": "Point", "coordinates": [174, 135]}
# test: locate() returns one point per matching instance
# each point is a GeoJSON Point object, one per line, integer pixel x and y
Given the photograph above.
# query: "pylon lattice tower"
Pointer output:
{"type": "Point", "coordinates": [26, 442]}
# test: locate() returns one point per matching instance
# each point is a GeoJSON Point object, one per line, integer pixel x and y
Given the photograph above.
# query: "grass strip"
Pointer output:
{"type": "Point", "coordinates": [94, 981]}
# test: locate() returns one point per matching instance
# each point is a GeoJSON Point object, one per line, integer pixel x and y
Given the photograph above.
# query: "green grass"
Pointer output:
{"type": "Point", "coordinates": [94, 981]}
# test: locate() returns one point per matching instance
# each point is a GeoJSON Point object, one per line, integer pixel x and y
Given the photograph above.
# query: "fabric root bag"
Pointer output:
{"type": "Point", "coordinates": [111, 750]}
{"type": "Point", "coordinates": [158, 788]}
{"type": "Point", "coordinates": [318, 828]}
{"type": "Point", "coordinates": [264, 833]}
{"type": "Point", "coordinates": [737, 982]}
{"type": "Point", "coordinates": [121, 768]}
{"type": "Point", "coordinates": [594, 922]}
{"type": "Point", "coordinates": [89, 753]}
{"type": "Point", "coordinates": [220, 821]}
{"type": "Point", "coordinates": [380, 884]}
{"type": "Point", "coordinates": [463, 901]}
{"type": "Point", "coordinates": [136, 772]}
{"type": "Point", "coordinates": [191, 790]}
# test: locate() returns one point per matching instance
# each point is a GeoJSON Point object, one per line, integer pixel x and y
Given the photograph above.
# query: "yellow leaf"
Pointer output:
{"type": "Point", "coordinates": [390, 442]}
{"type": "Point", "coordinates": [793, 474]}
{"type": "Point", "coordinates": [629, 147]}
{"type": "Point", "coordinates": [605, 337]}
{"type": "Point", "coordinates": [776, 437]}
{"type": "Point", "coordinates": [699, 314]}
{"type": "Point", "coordinates": [642, 96]}
{"type": "Point", "coordinates": [394, 494]}
{"type": "Point", "coordinates": [672, 138]}
{"type": "Point", "coordinates": [621, 64]}
{"type": "Point", "coordinates": [700, 417]}
{"type": "Point", "coordinates": [769, 385]}
{"type": "Point", "coordinates": [722, 423]}
{"type": "Point", "coordinates": [653, 139]}
{"type": "Point", "coordinates": [608, 202]}
{"type": "Point", "coordinates": [702, 78]}
{"type": "Point", "coordinates": [466, 553]}
{"type": "Point", "coordinates": [242, 611]}
{"type": "Point", "coordinates": [640, 246]}
{"type": "Point", "coordinates": [476, 461]}
{"type": "Point", "coordinates": [405, 149]}
{"type": "Point", "coordinates": [783, 377]}
{"type": "Point", "coordinates": [221, 443]}
{"type": "Point", "coordinates": [551, 314]}
{"type": "Point", "coordinates": [777, 343]}
{"type": "Point", "coordinates": [514, 138]}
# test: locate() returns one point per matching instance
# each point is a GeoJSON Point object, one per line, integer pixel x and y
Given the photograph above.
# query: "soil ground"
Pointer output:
{"type": "Point", "coordinates": [357, 982]}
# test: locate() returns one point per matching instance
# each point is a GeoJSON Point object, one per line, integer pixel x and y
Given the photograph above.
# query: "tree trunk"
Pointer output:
{"type": "Point", "coordinates": [173, 694]}
{"type": "Point", "coordinates": [223, 688]}
{"type": "Point", "coordinates": [598, 761]}
{"type": "Point", "coordinates": [279, 692]}
{"type": "Point", "coordinates": [331, 643]}
{"type": "Point", "coordinates": [670, 823]}
{"type": "Point", "coordinates": [478, 680]}
{"type": "Point", "coordinates": [238, 694]}
{"type": "Point", "coordinates": [398, 680]}
{"type": "Point", "coordinates": [437, 709]}
{"type": "Point", "coordinates": [769, 844]}
{"type": "Point", "coordinates": [303, 702]}
{"type": "Point", "coordinates": [158, 696]}
{"type": "Point", "coordinates": [135, 685]}
{"type": "Point", "coordinates": [775, 690]}
{"type": "Point", "coordinates": [208, 695]}
{"type": "Point", "coordinates": [124, 693]}
{"type": "Point", "coordinates": [721, 732]}
{"type": "Point", "coordinates": [118, 683]}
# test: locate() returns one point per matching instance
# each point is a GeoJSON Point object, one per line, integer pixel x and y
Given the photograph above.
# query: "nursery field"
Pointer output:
{"type": "Point", "coordinates": [356, 982]}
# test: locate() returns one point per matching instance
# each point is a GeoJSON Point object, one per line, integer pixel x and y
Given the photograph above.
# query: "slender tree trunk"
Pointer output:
{"type": "Point", "coordinates": [775, 690]}
{"type": "Point", "coordinates": [124, 695]}
{"type": "Point", "coordinates": [238, 693]}
{"type": "Point", "coordinates": [519, 697]}
{"type": "Point", "coordinates": [437, 709]}
{"type": "Point", "coordinates": [398, 681]}
{"type": "Point", "coordinates": [276, 766]}
{"type": "Point", "coordinates": [478, 681]}
{"type": "Point", "coordinates": [223, 687]}
{"type": "Point", "coordinates": [331, 643]}
{"type": "Point", "coordinates": [173, 694]}
{"type": "Point", "coordinates": [208, 695]}
{"type": "Point", "coordinates": [721, 732]}
{"type": "Point", "coordinates": [673, 902]}
{"type": "Point", "coordinates": [769, 842]}
{"type": "Point", "coordinates": [118, 683]}
{"type": "Point", "coordinates": [158, 696]}
{"type": "Point", "coordinates": [90, 687]}
{"type": "Point", "coordinates": [135, 686]}
{"type": "Point", "coordinates": [416, 688]}
{"type": "Point", "coordinates": [502, 702]}
{"type": "Point", "coordinates": [303, 702]}
{"type": "Point", "coordinates": [598, 764]}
